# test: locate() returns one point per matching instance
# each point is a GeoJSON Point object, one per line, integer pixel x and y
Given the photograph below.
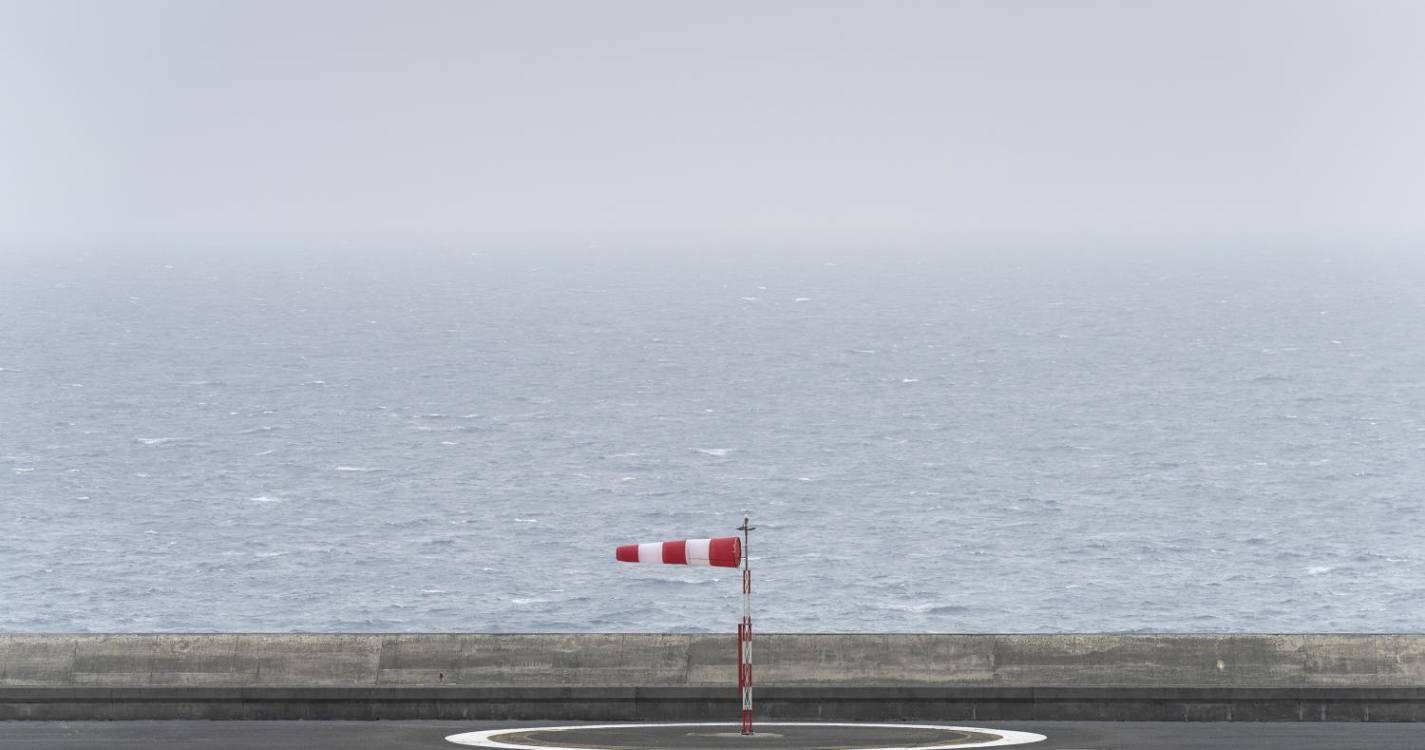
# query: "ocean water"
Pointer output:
{"type": "Point", "coordinates": [969, 441]}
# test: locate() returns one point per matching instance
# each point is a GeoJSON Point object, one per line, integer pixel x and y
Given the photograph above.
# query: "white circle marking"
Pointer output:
{"type": "Point", "coordinates": [1006, 737]}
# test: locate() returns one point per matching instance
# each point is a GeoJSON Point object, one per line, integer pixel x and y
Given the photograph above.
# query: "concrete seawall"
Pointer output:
{"type": "Point", "coordinates": [650, 676]}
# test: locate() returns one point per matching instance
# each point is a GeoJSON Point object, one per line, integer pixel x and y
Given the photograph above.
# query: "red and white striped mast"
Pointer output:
{"type": "Point", "coordinates": [744, 630]}
{"type": "Point", "coordinates": [722, 552]}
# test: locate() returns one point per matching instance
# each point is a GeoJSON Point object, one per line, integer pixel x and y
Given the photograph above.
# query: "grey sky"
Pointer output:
{"type": "Point", "coordinates": [655, 121]}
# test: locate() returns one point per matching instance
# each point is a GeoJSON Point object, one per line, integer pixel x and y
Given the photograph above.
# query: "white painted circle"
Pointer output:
{"type": "Point", "coordinates": [1006, 737]}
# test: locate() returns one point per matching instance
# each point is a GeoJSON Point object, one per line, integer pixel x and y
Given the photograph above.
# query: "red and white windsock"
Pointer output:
{"type": "Point", "coordinates": [722, 552]}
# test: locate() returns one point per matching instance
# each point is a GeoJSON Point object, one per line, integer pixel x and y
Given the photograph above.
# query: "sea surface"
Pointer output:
{"type": "Point", "coordinates": [954, 440]}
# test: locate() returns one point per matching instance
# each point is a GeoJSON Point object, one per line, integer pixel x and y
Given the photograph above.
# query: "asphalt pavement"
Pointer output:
{"type": "Point", "coordinates": [430, 735]}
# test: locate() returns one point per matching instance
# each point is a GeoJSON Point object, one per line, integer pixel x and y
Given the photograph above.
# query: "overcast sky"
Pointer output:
{"type": "Point", "coordinates": [654, 121]}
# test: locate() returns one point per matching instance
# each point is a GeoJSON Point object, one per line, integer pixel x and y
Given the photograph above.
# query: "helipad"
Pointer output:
{"type": "Point", "coordinates": [725, 736]}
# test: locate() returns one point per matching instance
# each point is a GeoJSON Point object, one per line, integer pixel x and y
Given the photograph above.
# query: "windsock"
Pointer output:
{"type": "Point", "coordinates": [722, 552]}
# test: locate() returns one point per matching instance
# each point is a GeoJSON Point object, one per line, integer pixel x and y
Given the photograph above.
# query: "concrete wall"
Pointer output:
{"type": "Point", "coordinates": [773, 704]}
{"type": "Point", "coordinates": [647, 660]}
{"type": "Point", "coordinates": [651, 677]}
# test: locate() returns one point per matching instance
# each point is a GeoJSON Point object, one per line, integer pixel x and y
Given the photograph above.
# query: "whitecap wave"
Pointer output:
{"type": "Point", "coordinates": [159, 440]}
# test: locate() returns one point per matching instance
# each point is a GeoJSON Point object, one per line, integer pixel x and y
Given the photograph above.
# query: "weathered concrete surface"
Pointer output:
{"type": "Point", "coordinates": [645, 676]}
{"type": "Point", "coordinates": [963, 704]}
{"type": "Point", "coordinates": [650, 660]}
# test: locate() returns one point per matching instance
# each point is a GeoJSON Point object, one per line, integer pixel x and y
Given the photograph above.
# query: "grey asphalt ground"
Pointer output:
{"type": "Point", "coordinates": [430, 735]}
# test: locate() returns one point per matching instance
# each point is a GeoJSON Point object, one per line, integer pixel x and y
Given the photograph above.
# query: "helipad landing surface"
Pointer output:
{"type": "Point", "coordinates": [726, 736]}
{"type": "Point", "coordinates": [431, 735]}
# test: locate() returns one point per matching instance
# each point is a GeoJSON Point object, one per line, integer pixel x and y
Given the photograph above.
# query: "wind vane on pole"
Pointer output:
{"type": "Point", "coordinates": [722, 552]}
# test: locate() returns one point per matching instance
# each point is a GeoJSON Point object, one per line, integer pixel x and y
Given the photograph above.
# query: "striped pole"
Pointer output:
{"type": "Point", "coordinates": [744, 632]}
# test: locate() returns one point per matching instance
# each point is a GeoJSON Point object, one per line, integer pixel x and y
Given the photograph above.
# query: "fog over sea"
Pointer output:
{"type": "Point", "coordinates": [1224, 439]}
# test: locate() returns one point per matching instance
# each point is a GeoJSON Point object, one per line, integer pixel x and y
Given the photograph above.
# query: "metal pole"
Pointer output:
{"type": "Point", "coordinates": [744, 630]}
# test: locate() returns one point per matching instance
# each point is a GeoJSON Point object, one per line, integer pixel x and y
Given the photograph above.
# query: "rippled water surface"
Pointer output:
{"type": "Point", "coordinates": [448, 440]}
